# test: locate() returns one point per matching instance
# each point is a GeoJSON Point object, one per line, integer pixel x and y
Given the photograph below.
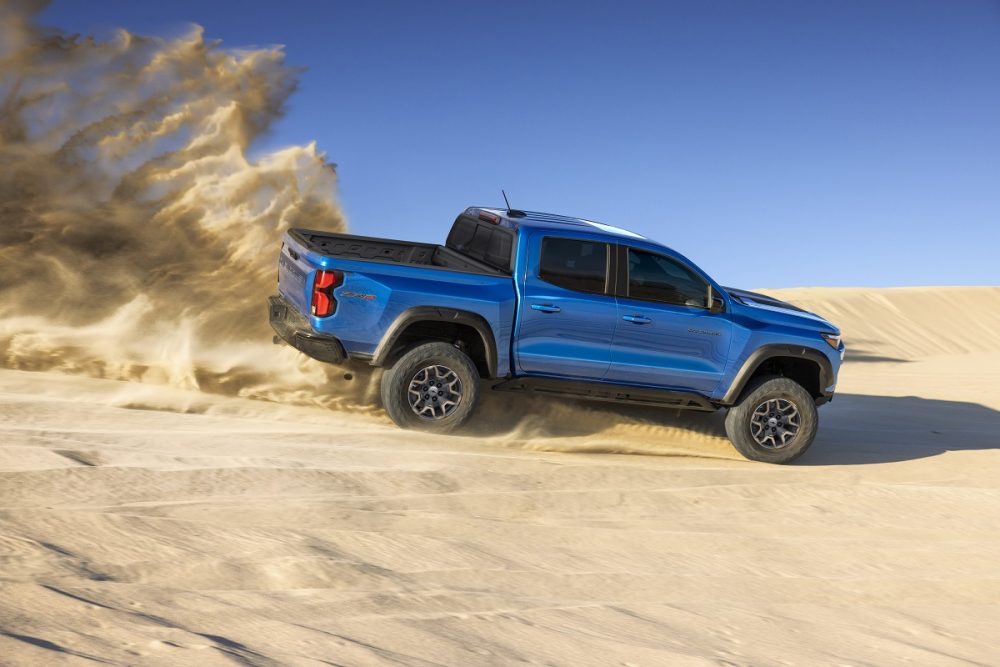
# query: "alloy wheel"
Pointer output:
{"type": "Point", "coordinates": [775, 423]}
{"type": "Point", "coordinates": [434, 392]}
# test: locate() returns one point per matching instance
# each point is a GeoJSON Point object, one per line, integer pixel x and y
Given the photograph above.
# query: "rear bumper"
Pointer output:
{"type": "Point", "coordinates": [294, 329]}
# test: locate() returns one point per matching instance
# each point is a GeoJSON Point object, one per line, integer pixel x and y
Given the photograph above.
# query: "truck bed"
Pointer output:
{"type": "Point", "coordinates": [428, 255]}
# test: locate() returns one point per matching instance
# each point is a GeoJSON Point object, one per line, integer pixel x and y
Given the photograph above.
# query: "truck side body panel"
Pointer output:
{"type": "Point", "coordinates": [665, 345]}
{"type": "Point", "coordinates": [560, 332]}
{"type": "Point", "coordinates": [670, 346]}
{"type": "Point", "coordinates": [373, 294]}
{"type": "Point", "coordinates": [541, 329]}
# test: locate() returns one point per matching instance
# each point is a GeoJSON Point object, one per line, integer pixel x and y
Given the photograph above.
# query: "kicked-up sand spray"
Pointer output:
{"type": "Point", "coordinates": [137, 238]}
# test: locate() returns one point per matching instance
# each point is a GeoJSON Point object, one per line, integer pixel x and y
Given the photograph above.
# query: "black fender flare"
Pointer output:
{"type": "Point", "coordinates": [766, 352]}
{"type": "Point", "coordinates": [436, 314]}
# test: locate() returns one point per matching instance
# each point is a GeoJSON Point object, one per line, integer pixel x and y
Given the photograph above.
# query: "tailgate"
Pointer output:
{"type": "Point", "coordinates": [293, 272]}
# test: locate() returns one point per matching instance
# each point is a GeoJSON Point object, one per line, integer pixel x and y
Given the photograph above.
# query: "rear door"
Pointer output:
{"type": "Point", "coordinates": [567, 310]}
{"type": "Point", "coordinates": [666, 336]}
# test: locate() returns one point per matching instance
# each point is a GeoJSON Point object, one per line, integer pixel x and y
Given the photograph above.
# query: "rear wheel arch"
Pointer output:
{"type": "Point", "coordinates": [468, 331]}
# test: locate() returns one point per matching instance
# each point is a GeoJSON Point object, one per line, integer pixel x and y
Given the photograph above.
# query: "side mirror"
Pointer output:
{"type": "Point", "coordinates": [715, 303]}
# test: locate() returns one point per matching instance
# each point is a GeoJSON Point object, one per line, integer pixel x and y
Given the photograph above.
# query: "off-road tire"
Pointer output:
{"type": "Point", "coordinates": [739, 420]}
{"type": "Point", "coordinates": [396, 383]}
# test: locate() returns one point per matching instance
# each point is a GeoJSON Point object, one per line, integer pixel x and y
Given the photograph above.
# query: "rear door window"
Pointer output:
{"type": "Point", "coordinates": [575, 264]}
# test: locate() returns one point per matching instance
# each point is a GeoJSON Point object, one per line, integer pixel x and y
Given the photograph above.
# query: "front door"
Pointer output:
{"type": "Point", "coordinates": [667, 336]}
{"type": "Point", "coordinates": [568, 314]}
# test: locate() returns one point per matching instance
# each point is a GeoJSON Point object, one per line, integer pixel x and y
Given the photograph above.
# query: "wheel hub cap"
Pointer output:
{"type": "Point", "coordinates": [434, 392]}
{"type": "Point", "coordinates": [775, 423]}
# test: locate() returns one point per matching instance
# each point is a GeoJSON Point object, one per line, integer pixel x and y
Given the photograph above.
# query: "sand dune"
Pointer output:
{"type": "Point", "coordinates": [150, 524]}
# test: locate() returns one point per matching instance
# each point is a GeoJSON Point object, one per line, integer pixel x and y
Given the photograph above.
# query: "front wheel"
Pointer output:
{"type": "Point", "coordinates": [433, 387]}
{"type": "Point", "coordinates": [774, 421]}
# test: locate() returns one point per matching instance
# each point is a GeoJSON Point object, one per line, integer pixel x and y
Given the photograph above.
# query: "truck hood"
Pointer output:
{"type": "Point", "coordinates": [756, 301]}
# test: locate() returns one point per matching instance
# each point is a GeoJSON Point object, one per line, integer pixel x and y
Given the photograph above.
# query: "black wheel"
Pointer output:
{"type": "Point", "coordinates": [774, 421]}
{"type": "Point", "coordinates": [433, 387]}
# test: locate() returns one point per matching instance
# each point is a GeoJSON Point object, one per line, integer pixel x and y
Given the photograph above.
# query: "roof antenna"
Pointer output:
{"type": "Point", "coordinates": [513, 213]}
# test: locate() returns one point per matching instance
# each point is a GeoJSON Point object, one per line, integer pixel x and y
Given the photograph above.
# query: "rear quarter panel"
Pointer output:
{"type": "Point", "coordinates": [374, 294]}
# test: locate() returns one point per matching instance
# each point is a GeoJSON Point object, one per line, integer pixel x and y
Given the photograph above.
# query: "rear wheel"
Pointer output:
{"type": "Point", "coordinates": [433, 387]}
{"type": "Point", "coordinates": [774, 421]}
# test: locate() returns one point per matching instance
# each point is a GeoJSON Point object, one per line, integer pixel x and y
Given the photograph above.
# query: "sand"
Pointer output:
{"type": "Point", "coordinates": [144, 524]}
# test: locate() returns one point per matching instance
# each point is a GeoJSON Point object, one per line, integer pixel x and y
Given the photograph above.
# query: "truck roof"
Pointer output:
{"type": "Point", "coordinates": [514, 219]}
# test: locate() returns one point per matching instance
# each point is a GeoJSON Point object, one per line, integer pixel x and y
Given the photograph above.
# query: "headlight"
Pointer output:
{"type": "Point", "coordinates": [832, 339]}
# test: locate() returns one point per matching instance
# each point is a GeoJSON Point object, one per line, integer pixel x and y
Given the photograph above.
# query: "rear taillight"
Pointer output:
{"type": "Point", "coordinates": [323, 303]}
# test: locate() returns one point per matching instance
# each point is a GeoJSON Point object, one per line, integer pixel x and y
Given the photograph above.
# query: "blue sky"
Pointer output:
{"type": "Point", "coordinates": [775, 143]}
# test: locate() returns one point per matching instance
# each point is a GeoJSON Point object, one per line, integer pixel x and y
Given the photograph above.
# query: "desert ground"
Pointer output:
{"type": "Point", "coordinates": [144, 523]}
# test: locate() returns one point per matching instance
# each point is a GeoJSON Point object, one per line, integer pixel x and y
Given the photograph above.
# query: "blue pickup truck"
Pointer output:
{"type": "Point", "coordinates": [535, 302]}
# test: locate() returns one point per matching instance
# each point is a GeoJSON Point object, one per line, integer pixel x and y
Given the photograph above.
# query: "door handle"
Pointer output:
{"type": "Point", "coordinates": [637, 319]}
{"type": "Point", "coordinates": [545, 307]}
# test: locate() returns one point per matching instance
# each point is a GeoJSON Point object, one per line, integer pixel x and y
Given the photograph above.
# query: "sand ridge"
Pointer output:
{"type": "Point", "coordinates": [145, 523]}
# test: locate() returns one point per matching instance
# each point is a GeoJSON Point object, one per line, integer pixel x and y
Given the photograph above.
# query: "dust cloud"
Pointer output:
{"type": "Point", "coordinates": [137, 237]}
